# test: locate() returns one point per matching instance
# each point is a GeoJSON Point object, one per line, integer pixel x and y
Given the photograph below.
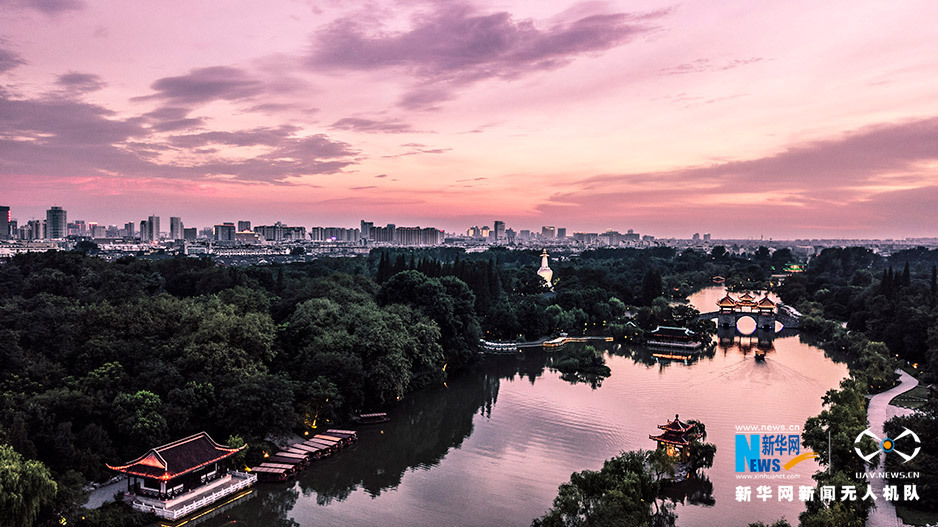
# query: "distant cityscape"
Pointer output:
{"type": "Point", "coordinates": [244, 240]}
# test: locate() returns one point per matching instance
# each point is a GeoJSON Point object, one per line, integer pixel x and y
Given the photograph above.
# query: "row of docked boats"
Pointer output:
{"type": "Point", "coordinates": [298, 456]}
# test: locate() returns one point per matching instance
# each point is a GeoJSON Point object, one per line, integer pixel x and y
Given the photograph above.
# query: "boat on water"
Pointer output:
{"type": "Point", "coordinates": [564, 340]}
{"type": "Point", "coordinates": [498, 348]}
{"type": "Point", "coordinates": [672, 338]}
{"type": "Point", "coordinates": [371, 419]}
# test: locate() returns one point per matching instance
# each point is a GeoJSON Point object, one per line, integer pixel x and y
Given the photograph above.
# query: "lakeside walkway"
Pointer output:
{"type": "Point", "coordinates": [878, 412]}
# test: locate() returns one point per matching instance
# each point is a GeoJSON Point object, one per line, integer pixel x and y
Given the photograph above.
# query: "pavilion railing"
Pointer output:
{"type": "Point", "coordinates": [174, 514]}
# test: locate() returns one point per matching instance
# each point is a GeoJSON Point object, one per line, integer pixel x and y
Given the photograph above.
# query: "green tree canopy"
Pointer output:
{"type": "Point", "coordinates": [26, 486]}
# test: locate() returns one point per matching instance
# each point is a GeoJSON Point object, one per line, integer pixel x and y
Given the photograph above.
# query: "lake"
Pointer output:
{"type": "Point", "coordinates": [492, 446]}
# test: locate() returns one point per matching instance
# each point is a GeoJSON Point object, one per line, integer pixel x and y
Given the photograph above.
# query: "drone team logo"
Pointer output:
{"type": "Point", "coordinates": [887, 445]}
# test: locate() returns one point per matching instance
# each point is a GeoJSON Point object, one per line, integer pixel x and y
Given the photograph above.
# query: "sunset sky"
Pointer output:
{"type": "Point", "coordinates": [783, 119]}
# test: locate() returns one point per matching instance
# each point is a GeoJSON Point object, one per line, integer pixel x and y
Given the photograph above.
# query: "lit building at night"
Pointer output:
{"type": "Point", "coordinates": [179, 478]}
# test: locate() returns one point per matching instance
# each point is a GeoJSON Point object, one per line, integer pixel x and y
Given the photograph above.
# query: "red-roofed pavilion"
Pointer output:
{"type": "Point", "coordinates": [167, 471]}
{"type": "Point", "coordinates": [675, 438]}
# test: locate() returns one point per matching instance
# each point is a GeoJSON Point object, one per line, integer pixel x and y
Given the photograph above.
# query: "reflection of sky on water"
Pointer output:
{"type": "Point", "coordinates": [492, 448]}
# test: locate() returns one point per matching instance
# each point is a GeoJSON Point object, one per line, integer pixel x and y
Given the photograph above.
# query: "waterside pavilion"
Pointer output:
{"type": "Point", "coordinates": [675, 438]}
{"type": "Point", "coordinates": [179, 478]}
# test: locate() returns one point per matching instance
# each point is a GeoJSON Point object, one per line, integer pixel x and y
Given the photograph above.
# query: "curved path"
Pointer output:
{"type": "Point", "coordinates": [878, 412]}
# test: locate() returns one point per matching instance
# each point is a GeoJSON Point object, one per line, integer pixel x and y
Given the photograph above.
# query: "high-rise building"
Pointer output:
{"type": "Point", "coordinates": [144, 231]}
{"type": "Point", "coordinates": [498, 231]}
{"type": "Point", "coordinates": [129, 229]}
{"type": "Point", "coordinates": [385, 234]}
{"type": "Point", "coordinates": [548, 231]}
{"type": "Point", "coordinates": [153, 224]}
{"type": "Point", "coordinates": [244, 225]}
{"type": "Point", "coordinates": [417, 236]}
{"type": "Point", "coordinates": [175, 228]}
{"type": "Point", "coordinates": [5, 219]}
{"type": "Point", "coordinates": [224, 232]}
{"type": "Point", "coordinates": [32, 230]}
{"type": "Point", "coordinates": [366, 227]}
{"type": "Point", "coordinates": [278, 232]}
{"type": "Point", "coordinates": [56, 223]}
{"type": "Point", "coordinates": [189, 234]}
{"type": "Point", "coordinates": [707, 237]}
{"type": "Point", "coordinates": [562, 232]}
{"type": "Point", "coordinates": [696, 237]}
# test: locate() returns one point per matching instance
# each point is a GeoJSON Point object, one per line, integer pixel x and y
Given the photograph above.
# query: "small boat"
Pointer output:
{"type": "Point", "coordinates": [341, 441]}
{"type": "Point", "coordinates": [371, 419]}
{"type": "Point", "coordinates": [349, 435]}
{"type": "Point", "coordinates": [287, 459]}
{"type": "Point", "coordinates": [319, 443]}
{"type": "Point", "coordinates": [270, 473]}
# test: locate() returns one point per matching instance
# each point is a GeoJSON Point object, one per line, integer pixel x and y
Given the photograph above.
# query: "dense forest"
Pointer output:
{"type": "Point", "coordinates": [102, 360]}
{"type": "Point", "coordinates": [882, 313]}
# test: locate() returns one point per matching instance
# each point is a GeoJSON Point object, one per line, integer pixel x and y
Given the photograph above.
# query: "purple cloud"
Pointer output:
{"type": "Point", "coordinates": [388, 126]}
{"type": "Point", "coordinates": [77, 83]}
{"type": "Point", "coordinates": [56, 120]}
{"type": "Point", "coordinates": [49, 7]}
{"type": "Point", "coordinates": [417, 151]}
{"type": "Point", "coordinates": [204, 85]}
{"type": "Point", "coordinates": [457, 46]}
{"type": "Point", "coordinates": [254, 137]}
{"type": "Point", "coordinates": [706, 65]}
{"type": "Point", "coordinates": [273, 107]}
{"type": "Point", "coordinates": [817, 182]}
{"type": "Point", "coordinates": [9, 60]}
{"type": "Point", "coordinates": [172, 119]}
{"type": "Point", "coordinates": [426, 97]}
{"type": "Point", "coordinates": [69, 138]}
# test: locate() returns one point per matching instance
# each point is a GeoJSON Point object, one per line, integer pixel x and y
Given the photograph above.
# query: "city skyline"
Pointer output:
{"type": "Point", "coordinates": [497, 228]}
{"type": "Point", "coordinates": [799, 121]}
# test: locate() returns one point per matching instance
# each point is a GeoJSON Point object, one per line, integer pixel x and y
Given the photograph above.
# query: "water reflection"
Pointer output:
{"type": "Point", "coordinates": [423, 428]}
{"type": "Point", "coordinates": [697, 490]}
{"type": "Point", "coordinates": [492, 447]}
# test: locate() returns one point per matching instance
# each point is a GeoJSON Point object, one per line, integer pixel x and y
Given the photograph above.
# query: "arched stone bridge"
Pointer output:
{"type": "Point", "coordinates": [764, 312]}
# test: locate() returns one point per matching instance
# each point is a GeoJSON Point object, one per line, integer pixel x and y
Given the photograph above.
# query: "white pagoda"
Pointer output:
{"type": "Point", "coordinates": [545, 272]}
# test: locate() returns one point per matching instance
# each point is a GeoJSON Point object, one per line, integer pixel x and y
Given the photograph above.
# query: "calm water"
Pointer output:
{"type": "Point", "coordinates": [492, 447]}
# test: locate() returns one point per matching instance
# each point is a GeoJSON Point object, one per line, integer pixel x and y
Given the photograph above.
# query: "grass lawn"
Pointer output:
{"type": "Point", "coordinates": [915, 517]}
{"type": "Point", "coordinates": [914, 398]}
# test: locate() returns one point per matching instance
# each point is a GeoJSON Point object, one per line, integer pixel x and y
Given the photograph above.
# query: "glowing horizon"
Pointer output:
{"type": "Point", "coordinates": [799, 121]}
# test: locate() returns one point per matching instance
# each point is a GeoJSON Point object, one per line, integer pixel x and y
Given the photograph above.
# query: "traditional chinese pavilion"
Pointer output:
{"type": "Point", "coordinates": [675, 438]}
{"type": "Point", "coordinates": [765, 304]}
{"type": "Point", "coordinates": [727, 303]}
{"type": "Point", "coordinates": [746, 301]}
{"type": "Point", "coordinates": [178, 478]}
{"type": "Point", "coordinates": [672, 337]}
